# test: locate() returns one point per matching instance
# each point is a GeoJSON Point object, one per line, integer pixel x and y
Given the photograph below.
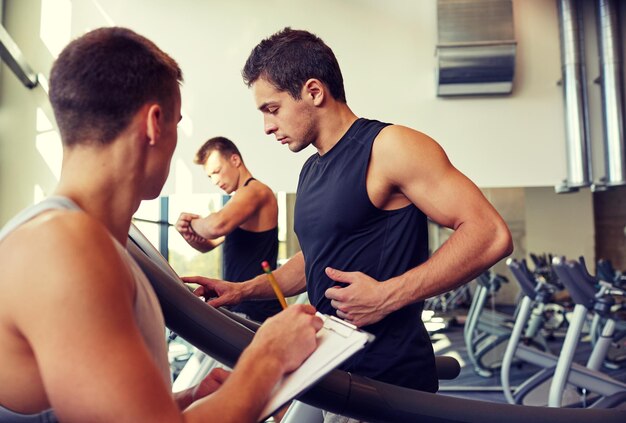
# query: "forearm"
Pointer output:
{"type": "Point", "coordinates": [290, 278]}
{"type": "Point", "coordinates": [211, 226]}
{"type": "Point", "coordinates": [243, 396]}
{"type": "Point", "coordinates": [203, 245]}
{"type": "Point", "coordinates": [213, 243]}
{"type": "Point", "coordinates": [468, 252]}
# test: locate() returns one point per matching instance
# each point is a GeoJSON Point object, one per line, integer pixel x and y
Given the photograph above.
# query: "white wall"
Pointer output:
{"type": "Point", "coordinates": [24, 172]}
{"type": "Point", "coordinates": [386, 51]}
{"type": "Point", "coordinates": [560, 224]}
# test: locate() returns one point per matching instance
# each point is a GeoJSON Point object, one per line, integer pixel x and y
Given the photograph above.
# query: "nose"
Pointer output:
{"type": "Point", "coordinates": [270, 127]}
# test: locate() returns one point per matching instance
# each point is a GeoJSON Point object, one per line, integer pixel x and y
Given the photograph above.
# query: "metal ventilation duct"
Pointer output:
{"type": "Point", "coordinates": [609, 46]}
{"type": "Point", "coordinates": [476, 47]}
{"type": "Point", "coordinates": [575, 96]}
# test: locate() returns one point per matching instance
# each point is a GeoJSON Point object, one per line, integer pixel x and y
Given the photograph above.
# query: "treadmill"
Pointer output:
{"type": "Point", "coordinates": [339, 392]}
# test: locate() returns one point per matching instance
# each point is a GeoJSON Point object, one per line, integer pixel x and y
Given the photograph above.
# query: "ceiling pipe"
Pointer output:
{"type": "Point", "coordinates": [575, 97]}
{"type": "Point", "coordinates": [611, 84]}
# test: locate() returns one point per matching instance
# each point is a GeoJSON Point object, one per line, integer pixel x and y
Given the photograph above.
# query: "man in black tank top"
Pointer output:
{"type": "Point", "coordinates": [362, 203]}
{"type": "Point", "coordinates": [247, 226]}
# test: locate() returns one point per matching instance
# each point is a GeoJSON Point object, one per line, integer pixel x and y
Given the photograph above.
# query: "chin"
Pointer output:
{"type": "Point", "coordinates": [152, 191]}
{"type": "Point", "coordinates": [296, 147]}
{"type": "Point", "coordinates": [151, 195]}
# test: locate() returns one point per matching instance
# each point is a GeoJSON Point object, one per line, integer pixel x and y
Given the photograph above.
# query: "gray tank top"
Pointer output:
{"type": "Point", "coordinates": [148, 314]}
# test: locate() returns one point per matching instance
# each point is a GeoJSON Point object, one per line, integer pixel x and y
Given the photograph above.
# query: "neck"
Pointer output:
{"type": "Point", "coordinates": [336, 120]}
{"type": "Point", "coordinates": [108, 193]}
{"type": "Point", "coordinates": [244, 175]}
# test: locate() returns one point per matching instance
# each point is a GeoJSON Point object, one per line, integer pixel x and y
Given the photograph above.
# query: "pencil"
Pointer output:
{"type": "Point", "coordinates": [275, 287]}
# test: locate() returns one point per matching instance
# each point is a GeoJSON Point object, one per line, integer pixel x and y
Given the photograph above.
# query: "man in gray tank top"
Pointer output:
{"type": "Point", "coordinates": [81, 330]}
{"type": "Point", "coordinates": [361, 209]}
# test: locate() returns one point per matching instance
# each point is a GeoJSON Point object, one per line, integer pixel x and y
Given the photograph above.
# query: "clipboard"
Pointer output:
{"type": "Point", "coordinates": [337, 341]}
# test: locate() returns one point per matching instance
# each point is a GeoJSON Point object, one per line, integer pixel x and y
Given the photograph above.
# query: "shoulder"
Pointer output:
{"type": "Point", "coordinates": [60, 256]}
{"type": "Point", "coordinates": [260, 192]}
{"type": "Point", "coordinates": [403, 142]}
{"type": "Point", "coordinates": [70, 231]}
{"type": "Point", "coordinates": [403, 138]}
{"type": "Point", "coordinates": [399, 150]}
{"type": "Point", "coordinates": [56, 231]}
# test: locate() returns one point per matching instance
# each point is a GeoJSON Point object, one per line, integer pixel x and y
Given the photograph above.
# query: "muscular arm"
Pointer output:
{"type": "Point", "coordinates": [237, 210]}
{"type": "Point", "coordinates": [408, 166]}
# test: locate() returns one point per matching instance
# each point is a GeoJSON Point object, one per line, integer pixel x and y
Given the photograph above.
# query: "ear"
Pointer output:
{"type": "Point", "coordinates": [154, 123]}
{"type": "Point", "coordinates": [314, 91]}
{"type": "Point", "coordinates": [235, 160]}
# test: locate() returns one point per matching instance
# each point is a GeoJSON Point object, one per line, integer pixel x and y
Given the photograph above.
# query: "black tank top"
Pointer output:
{"type": "Point", "coordinates": [338, 226]}
{"type": "Point", "coordinates": [243, 253]}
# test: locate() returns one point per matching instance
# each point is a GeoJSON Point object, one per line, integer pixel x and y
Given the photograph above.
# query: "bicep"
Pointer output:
{"type": "Point", "coordinates": [450, 200]}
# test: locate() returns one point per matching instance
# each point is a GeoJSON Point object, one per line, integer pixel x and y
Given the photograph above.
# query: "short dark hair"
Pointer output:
{"type": "Point", "coordinates": [225, 146]}
{"type": "Point", "coordinates": [101, 79]}
{"type": "Point", "coordinates": [289, 58]}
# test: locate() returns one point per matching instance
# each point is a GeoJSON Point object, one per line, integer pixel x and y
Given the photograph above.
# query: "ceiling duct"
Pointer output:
{"type": "Point", "coordinates": [609, 47]}
{"type": "Point", "coordinates": [476, 47]}
{"type": "Point", "coordinates": [575, 96]}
